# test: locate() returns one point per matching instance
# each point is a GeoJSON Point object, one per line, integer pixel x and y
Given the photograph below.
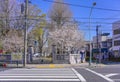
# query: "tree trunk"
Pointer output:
{"type": "Point", "coordinates": [40, 44]}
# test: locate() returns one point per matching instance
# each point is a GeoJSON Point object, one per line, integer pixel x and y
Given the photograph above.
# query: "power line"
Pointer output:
{"type": "Point", "coordinates": [78, 22]}
{"type": "Point", "coordinates": [41, 19]}
{"type": "Point", "coordinates": [66, 17]}
{"type": "Point", "coordinates": [76, 5]}
{"type": "Point", "coordinates": [94, 30]}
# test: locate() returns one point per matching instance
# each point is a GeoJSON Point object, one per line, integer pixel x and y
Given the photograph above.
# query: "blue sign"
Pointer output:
{"type": "Point", "coordinates": [5, 57]}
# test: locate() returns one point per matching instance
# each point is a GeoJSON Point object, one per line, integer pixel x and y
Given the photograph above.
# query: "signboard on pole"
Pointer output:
{"type": "Point", "coordinates": [5, 58]}
{"type": "Point", "coordinates": [16, 56]}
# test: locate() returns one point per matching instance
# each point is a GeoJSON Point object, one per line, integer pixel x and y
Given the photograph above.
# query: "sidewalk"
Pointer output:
{"type": "Point", "coordinates": [65, 65]}
{"type": "Point", "coordinates": [86, 64]}
{"type": "Point", "coordinates": [111, 63]}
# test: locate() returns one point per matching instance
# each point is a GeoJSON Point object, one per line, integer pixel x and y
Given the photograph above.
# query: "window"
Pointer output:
{"type": "Point", "coordinates": [117, 43]}
{"type": "Point", "coordinates": [116, 31]}
{"type": "Point", "coordinates": [116, 53]}
{"type": "Point", "coordinates": [104, 44]}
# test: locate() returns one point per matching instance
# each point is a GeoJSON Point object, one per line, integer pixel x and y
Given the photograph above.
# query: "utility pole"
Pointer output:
{"type": "Point", "coordinates": [98, 44]}
{"type": "Point", "coordinates": [90, 58]}
{"type": "Point", "coordinates": [25, 34]}
{"type": "Point", "coordinates": [97, 36]}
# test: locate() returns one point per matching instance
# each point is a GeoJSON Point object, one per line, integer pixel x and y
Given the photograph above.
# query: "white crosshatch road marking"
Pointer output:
{"type": "Point", "coordinates": [60, 74]}
{"type": "Point", "coordinates": [98, 74]}
{"type": "Point", "coordinates": [112, 74]}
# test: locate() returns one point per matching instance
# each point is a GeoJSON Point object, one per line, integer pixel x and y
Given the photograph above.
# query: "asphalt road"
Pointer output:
{"type": "Point", "coordinates": [109, 73]}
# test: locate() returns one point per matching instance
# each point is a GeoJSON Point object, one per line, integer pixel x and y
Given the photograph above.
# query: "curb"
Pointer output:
{"type": "Point", "coordinates": [59, 66]}
{"type": "Point", "coordinates": [49, 66]}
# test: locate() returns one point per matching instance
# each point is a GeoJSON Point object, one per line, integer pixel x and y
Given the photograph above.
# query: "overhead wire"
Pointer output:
{"type": "Point", "coordinates": [83, 6]}
{"type": "Point", "coordinates": [78, 22]}
{"type": "Point", "coordinates": [88, 7]}
{"type": "Point", "coordinates": [80, 17]}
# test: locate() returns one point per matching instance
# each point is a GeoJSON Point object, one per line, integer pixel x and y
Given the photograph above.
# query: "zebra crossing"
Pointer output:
{"type": "Point", "coordinates": [41, 75]}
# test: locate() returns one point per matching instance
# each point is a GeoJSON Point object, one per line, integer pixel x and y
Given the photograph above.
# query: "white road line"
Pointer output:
{"type": "Point", "coordinates": [59, 69]}
{"type": "Point", "coordinates": [112, 74]}
{"type": "Point", "coordinates": [37, 74]}
{"type": "Point", "coordinates": [81, 78]}
{"type": "Point", "coordinates": [45, 75]}
{"type": "Point", "coordinates": [70, 77]}
{"type": "Point", "coordinates": [39, 80]}
{"type": "Point", "coordinates": [106, 78]}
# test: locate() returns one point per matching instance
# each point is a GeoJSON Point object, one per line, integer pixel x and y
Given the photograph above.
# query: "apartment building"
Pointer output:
{"type": "Point", "coordinates": [116, 38]}
{"type": "Point", "coordinates": [102, 45]}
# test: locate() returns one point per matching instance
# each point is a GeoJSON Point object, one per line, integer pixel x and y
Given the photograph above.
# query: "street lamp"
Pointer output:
{"type": "Point", "coordinates": [90, 59]}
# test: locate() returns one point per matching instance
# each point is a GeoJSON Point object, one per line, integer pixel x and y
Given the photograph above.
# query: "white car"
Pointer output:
{"type": "Point", "coordinates": [36, 54]}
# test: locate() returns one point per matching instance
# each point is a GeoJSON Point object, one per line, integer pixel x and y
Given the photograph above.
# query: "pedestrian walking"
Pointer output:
{"type": "Point", "coordinates": [82, 55]}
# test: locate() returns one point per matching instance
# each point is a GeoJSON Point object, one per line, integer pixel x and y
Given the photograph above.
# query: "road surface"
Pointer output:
{"type": "Point", "coordinates": [95, 74]}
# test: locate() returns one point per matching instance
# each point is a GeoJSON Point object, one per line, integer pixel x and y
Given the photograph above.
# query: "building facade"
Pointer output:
{"type": "Point", "coordinates": [101, 44]}
{"type": "Point", "coordinates": [116, 38]}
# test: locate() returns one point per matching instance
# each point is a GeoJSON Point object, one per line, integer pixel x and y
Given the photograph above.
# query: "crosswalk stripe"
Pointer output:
{"type": "Point", "coordinates": [58, 69]}
{"type": "Point", "coordinates": [39, 80]}
{"type": "Point", "coordinates": [38, 77]}
{"type": "Point", "coordinates": [41, 75]}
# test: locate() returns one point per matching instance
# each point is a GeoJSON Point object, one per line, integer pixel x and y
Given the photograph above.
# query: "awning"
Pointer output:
{"type": "Point", "coordinates": [95, 50]}
{"type": "Point", "coordinates": [98, 50]}
{"type": "Point", "coordinates": [104, 50]}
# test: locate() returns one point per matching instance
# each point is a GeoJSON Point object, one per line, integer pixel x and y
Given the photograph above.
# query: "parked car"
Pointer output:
{"type": "Point", "coordinates": [36, 55]}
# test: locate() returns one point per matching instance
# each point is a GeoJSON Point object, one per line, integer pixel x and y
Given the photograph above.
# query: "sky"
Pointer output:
{"type": "Point", "coordinates": [105, 18]}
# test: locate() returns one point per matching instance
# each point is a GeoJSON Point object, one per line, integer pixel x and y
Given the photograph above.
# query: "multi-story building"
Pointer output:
{"type": "Point", "coordinates": [109, 43]}
{"type": "Point", "coordinates": [116, 38]}
{"type": "Point", "coordinates": [101, 43]}
{"type": "Point", "coordinates": [87, 47]}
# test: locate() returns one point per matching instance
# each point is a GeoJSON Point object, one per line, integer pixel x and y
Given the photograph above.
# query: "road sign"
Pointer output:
{"type": "Point", "coordinates": [5, 57]}
{"type": "Point", "coordinates": [17, 56]}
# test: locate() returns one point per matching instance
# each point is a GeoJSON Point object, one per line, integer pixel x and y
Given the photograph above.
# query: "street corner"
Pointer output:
{"type": "Point", "coordinates": [96, 66]}
{"type": "Point", "coordinates": [100, 65]}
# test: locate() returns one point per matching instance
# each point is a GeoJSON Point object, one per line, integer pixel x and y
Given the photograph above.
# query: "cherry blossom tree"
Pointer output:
{"type": "Point", "coordinates": [12, 22]}
{"type": "Point", "coordinates": [13, 42]}
{"type": "Point", "coordinates": [67, 36]}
